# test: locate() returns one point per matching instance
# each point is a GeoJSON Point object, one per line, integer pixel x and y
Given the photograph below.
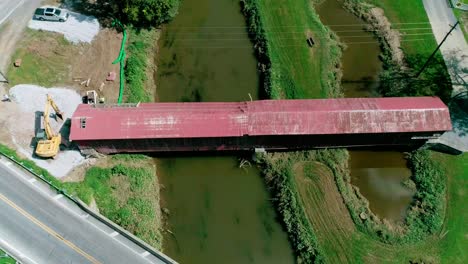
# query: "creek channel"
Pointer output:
{"type": "Point", "coordinates": [379, 175]}
{"type": "Point", "coordinates": [218, 212]}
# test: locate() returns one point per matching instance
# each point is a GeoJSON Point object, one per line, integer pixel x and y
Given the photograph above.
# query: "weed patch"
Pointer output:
{"type": "Point", "coordinates": [141, 43]}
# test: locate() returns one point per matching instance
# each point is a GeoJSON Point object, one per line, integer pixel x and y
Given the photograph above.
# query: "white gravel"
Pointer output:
{"type": "Point", "coordinates": [78, 27]}
{"type": "Point", "coordinates": [31, 99]}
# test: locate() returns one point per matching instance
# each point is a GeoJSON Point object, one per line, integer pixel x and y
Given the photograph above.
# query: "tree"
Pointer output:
{"type": "Point", "coordinates": [142, 13]}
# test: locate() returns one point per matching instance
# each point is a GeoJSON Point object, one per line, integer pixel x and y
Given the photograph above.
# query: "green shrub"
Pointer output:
{"type": "Point", "coordinates": [142, 13]}
{"type": "Point", "coordinates": [136, 64]}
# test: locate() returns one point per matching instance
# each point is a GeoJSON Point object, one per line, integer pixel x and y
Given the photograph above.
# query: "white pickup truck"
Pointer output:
{"type": "Point", "coordinates": [51, 14]}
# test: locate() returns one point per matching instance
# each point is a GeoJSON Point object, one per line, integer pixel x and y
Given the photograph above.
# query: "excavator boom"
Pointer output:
{"type": "Point", "coordinates": [48, 148]}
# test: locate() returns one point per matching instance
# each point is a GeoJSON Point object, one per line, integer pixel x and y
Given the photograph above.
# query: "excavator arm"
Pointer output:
{"type": "Point", "coordinates": [48, 148]}
{"type": "Point", "coordinates": [51, 102]}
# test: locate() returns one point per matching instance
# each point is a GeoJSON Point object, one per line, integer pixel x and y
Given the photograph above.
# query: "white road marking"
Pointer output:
{"type": "Point", "coordinates": [21, 175]}
{"type": "Point", "coordinates": [145, 254]}
{"type": "Point", "coordinates": [11, 250]}
{"type": "Point", "coordinates": [58, 196]}
{"type": "Point", "coordinates": [11, 12]}
{"type": "Point", "coordinates": [32, 180]}
{"type": "Point", "coordinates": [8, 163]}
{"type": "Point", "coordinates": [113, 234]}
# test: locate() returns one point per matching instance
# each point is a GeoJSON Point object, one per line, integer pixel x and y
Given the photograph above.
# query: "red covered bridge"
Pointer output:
{"type": "Point", "coordinates": [268, 124]}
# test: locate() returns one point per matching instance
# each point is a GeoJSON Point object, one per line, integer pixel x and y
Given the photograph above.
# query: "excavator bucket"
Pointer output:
{"type": "Point", "coordinates": [59, 115]}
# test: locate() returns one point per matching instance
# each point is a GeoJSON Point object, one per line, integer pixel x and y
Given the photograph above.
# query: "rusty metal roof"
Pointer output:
{"type": "Point", "coordinates": [268, 117]}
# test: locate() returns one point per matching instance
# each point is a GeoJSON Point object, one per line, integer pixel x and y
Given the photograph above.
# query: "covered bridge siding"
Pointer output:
{"type": "Point", "coordinates": [269, 124]}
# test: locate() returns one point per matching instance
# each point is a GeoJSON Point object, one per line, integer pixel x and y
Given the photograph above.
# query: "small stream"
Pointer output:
{"type": "Point", "coordinates": [378, 174]}
{"type": "Point", "coordinates": [218, 212]}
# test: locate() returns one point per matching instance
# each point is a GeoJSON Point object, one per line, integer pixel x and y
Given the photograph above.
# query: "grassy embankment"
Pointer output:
{"type": "Point", "coordinates": [4, 259]}
{"type": "Point", "coordinates": [417, 44]}
{"type": "Point", "coordinates": [126, 190]}
{"type": "Point", "coordinates": [138, 67]}
{"type": "Point", "coordinates": [293, 70]}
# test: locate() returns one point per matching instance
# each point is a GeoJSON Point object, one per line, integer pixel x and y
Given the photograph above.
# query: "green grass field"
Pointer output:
{"type": "Point", "coordinates": [298, 71]}
{"type": "Point", "coordinates": [44, 58]}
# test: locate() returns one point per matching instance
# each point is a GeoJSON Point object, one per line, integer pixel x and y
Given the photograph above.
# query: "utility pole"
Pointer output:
{"type": "Point", "coordinates": [3, 78]}
{"type": "Point", "coordinates": [437, 49]}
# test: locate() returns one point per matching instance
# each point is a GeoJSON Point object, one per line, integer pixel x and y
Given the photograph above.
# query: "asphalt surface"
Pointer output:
{"type": "Point", "coordinates": [7, 7]}
{"type": "Point", "coordinates": [455, 49]}
{"type": "Point", "coordinates": [39, 226]}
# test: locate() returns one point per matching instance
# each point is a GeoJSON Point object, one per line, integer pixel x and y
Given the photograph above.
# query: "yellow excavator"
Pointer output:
{"type": "Point", "coordinates": [50, 146]}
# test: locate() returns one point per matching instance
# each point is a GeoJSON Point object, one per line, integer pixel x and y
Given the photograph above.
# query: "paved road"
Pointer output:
{"type": "Point", "coordinates": [455, 53]}
{"type": "Point", "coordinates": [455, 48]}
{"type": "Point", "coordinates": [7, 7]}
{"type": "Point", "coordinates": [39, 226]}
{"type": "Point", "coordinates": [14, 16]}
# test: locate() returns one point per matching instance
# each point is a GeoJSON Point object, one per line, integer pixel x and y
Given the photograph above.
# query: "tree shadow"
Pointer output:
{"type": "Point", "coordinates": [433, 81]}
{"type": "Point", "coordinates": [457, 66]}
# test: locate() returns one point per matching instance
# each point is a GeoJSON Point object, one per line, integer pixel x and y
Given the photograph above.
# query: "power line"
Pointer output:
{"type": "Point", "coordinates": [328, 25]}
{"type": "Point", "coordinates": [293, 38]}
{"type": "Point", "coordinates": [437, 49]}
{"type": "Point", "coordinates": [282, 46]}
{"type": "Point", "coordinates": [291, 32]}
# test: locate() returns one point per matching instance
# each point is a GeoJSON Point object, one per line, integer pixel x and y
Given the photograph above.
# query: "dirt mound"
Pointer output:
{"type": "Point", "coordinates": [392, 37]}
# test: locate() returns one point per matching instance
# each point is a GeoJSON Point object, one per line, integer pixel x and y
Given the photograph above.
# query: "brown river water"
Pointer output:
{"type": "Point", "coordinates": [378, 174]}
{"type": "Point", "coordinates": [220, 213]}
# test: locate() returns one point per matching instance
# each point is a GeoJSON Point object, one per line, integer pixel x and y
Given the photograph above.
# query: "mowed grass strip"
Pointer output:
{"type": "Point", "coordinates": [5, 259]}
{"type": "Point", "coordinates": [298, 71]}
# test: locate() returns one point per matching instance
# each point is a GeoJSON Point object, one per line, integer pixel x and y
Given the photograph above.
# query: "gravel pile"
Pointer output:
{"type": "Point", "coordinates": [30, 99]}
{"type": "Point", "coordinates": [78, 27]}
